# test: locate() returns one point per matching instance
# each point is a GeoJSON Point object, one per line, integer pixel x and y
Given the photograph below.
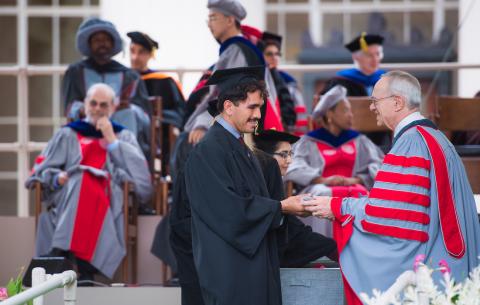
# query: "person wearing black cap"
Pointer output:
{"type": "Point", "coordinates": [292, 105]}
{"type": "Point", "coordinates": [235, 51]}
{"type": "Point", "coordinates": [142, 49]}
{"type": "Point", "coordinates": [297, 244]}
{"type": "Point", "coordinates": [367, 53]}
{"type": "Point", "coordinates": [98, 40]}
{"type": "Point", "coordinates": [233, 218]}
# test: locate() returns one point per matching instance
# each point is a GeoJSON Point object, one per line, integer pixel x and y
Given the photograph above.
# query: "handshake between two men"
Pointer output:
{"type": "Point", "coordinates": [306, 205]}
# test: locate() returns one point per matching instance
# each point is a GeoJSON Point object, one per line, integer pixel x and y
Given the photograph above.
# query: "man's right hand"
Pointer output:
{"type": "Point", "coordinates": [62, 178]}
{"type": "Point", "coordinates": [196, 135]}
{"type": "Point", "coordinates": [295, 205]}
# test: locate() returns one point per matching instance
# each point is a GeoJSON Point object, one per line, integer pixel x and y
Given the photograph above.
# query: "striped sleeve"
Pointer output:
{"type": "Point", "coordinates": [398, 204]}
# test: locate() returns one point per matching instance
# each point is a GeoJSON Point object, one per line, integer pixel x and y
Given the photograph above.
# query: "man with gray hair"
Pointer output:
{"type": "Point", "coordinates": [421, 205]}
{"type": "Point", "coordinates": [82, 171]}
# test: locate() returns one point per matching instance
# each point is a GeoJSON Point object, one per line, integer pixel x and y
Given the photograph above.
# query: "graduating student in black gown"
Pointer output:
{"type": "Point", "coordinates": [234, 220]}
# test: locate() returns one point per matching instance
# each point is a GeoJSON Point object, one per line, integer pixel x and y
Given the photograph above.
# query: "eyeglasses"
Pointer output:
{"type": "Point", "coordinates": [212, 19]}
{"type": "Point", "coordinates": [284, 154]}
{"type": "Point", "coordinates": [103, 105]}
{"type": "Point", "coordinates": [374, 100]}
{"type": "Point", "coordinates": [272, 54]}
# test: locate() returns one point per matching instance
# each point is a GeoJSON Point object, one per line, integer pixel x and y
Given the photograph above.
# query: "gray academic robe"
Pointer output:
{"type": "Point", "coordinates": [56, 226]}
{"type": "Point", "coordinates": [233, 223]}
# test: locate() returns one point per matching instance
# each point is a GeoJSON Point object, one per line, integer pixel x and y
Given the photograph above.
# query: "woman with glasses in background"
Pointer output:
{"type": "Point", "coordinates": [297, 243]}
{"type": "Point", "coordinates": [334, 160]}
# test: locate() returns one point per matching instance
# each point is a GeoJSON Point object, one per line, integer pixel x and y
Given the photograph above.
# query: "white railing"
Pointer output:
{"type": "Point", "coordinates": [43, 283]}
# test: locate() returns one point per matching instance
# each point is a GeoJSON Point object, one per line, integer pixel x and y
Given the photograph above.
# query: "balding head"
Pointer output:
{"type": "Point", "coordinates": [396, 95]}
{"type": "Point", "coordinates": [99, 102]}
{"type": "Point", "coordinates": [406, 85]}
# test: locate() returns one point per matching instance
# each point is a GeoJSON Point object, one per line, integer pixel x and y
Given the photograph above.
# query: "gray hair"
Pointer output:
{"type": "Point", "coordinates": [101, 87]}
{"type": "Point", "coordinates": [406, 85]}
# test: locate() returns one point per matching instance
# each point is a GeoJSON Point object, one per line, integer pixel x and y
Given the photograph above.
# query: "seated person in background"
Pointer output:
{"type": "Point", "coordinates": [334, 160]}
{"type": "Point", "coordinates": [142, 49]}
{"type": "Point", "coordinates": [99, 41]}
{"type": "Point", "coordinates": [82, 171]}
{"type": "Point", "coordinates": [297, 244]}
{"type": "Point", "coordinates": [288, 91]}
{"type": "Point", "coordinates": [367, 54]}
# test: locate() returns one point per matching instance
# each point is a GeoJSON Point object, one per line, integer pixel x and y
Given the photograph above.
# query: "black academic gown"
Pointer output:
{"type": "Point", "coordinates": [287, 105]}
{"type": "Point", "coordinates": [298, 245]}
{"type": "Point", "coordinates": [233, 223]}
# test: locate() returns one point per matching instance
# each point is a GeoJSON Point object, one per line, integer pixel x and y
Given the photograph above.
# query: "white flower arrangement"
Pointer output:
{"type": "Point", "coordinates": [419, 288]}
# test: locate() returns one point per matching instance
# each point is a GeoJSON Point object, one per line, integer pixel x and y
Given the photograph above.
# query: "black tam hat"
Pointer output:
{"type": "Point", "coordinates": [271, 38]}
{"type": "Point", "coordinates": [272, 135]}
{"type": "Point", "coordinates": [144, 40]}
{"type": "Point", "coordinates": [229, 78]}
{"type": "Point", "coordinates": [363, 41]}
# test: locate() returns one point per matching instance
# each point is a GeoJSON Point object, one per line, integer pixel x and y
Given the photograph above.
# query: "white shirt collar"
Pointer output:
{"type": "Point", "coordinates": [412, 117]}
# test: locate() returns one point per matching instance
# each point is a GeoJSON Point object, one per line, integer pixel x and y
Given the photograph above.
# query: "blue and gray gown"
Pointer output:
{"type": "Point", "coordinates": [85, 215]}
{"type": "Point", "coordinates": [421, 203]}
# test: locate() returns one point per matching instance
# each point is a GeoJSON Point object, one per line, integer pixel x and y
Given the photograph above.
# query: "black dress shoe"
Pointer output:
{"type": "Point", "coordinates": [146, 210]}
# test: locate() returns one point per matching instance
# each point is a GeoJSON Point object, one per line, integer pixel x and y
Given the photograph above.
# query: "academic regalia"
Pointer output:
{"type": "Point", "coordinates": [301, 123]}
{"type": "Point", "coordinates": [297, 244]}
{"type": "Point", "coordinates": [124, 81]}
{"type": "Point", "coordinates": [180, 224]}
{"type": "Point", "coordinates": [173, 102]}
{"type": "Point", "coordinates": [233, 222]}
{"type": "Point", "coordinates": [357, 83]}
{"type": "Point", "coordinates": [421, 203]}
{"type": "Point", "coordinates": [85, 215]}
{"type": "Point", "coordinates": [321, 154]}
{"type": "Point", "coordinates": [287, 105]}
{"type": "Point", "coordinates": [126, 84]}
{"type": "Point", "coordinates": [238, 52]}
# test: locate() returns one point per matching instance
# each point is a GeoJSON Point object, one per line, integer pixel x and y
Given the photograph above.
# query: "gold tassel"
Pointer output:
{"type": "Point", "coordinates": [363, 42]}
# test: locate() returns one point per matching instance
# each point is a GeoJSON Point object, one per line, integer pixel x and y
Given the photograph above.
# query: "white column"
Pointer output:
{"type": "Point", "coordinates": [22, 109]}
{"type": "Point", "coordinates": [438, 19]}
{"type": "Point", "coordinates": [468, 46]}
{"type": "Point", "coordinates": [315, 21]}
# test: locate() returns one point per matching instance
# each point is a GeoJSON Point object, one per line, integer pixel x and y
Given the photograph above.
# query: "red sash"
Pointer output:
{"type": "Point", "coordinates": [93, 201]}
{"type": "Point", "coordinates": [340, 161]}
{"type": "Point", "coordinates": [451, 232]}
{"type": "Point", "coordinates": [273, 120]}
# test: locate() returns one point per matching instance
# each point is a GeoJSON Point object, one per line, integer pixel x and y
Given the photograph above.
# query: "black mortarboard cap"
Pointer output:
{"type": "Point", "coordinates": [272, 135]}
{"type": "Point", "coordinates": [229, 78]}
{"type": "Point", "coordinates": [272, 37]}
{"type": "Point", "coordinates": [365, 40]}
{"type": "Point", "coordinates": [143, 39]}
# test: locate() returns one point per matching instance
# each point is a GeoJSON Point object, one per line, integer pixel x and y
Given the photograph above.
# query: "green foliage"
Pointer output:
{"type": "Point", "coordinates": [15, 286]}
